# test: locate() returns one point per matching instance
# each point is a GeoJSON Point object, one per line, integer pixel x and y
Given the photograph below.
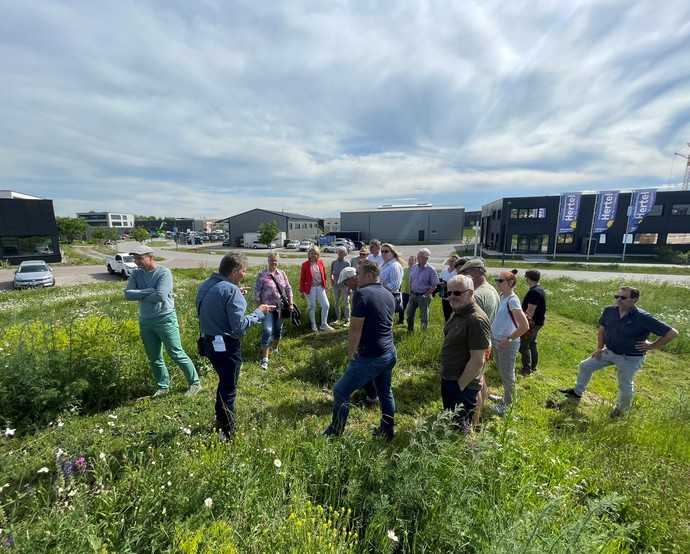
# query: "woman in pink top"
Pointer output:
{"type": "Point", "coordinates": [313, 285]}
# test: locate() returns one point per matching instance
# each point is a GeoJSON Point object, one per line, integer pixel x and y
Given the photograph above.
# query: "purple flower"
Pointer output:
{"type": "Point", "coordinates": [8, 541]}
{"type": "Point", "coordinates": [80, 465]}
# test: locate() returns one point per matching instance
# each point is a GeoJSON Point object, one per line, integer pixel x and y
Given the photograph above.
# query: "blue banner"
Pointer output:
{"type": "Point", "coordinates": [641, 204]}
{"type": "Point", "coordinates": [567, 216]}
{"type": "Point", "coordinates": [607, 204]}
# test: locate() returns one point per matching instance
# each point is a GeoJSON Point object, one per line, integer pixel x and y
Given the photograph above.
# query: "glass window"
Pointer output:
{"type": "Point", "coordinates": [116, 216]}
{"type": "Point", "coordinates": [26, 246]}
{"type": "Point", "coordinates": [513, 213]}
{"type": "Point", "coordinates": [565, 238]}
{"type": "Point", "coordinates": [678, 238]}
{"type": "Point", "coordinates": [542, 213]}
{"type": "Point", "coordinates": [680, 209]}
{"type": "Point", "coordinates": [645, 238]}
{"type": "Point", "coordinates": [534, 213]}
{"type": "Point", "coordinates": [523, 213]}
{"type": "Point", "coordinates": [657, 209]}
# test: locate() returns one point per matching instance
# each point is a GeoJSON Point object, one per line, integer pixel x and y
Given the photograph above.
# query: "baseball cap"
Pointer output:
{"type": "Point", "coordinates": [474, 263]}
{"type": "Point", "coordinates": [346, 273]}
{"type": "Point", "coordinates": [141, 251]}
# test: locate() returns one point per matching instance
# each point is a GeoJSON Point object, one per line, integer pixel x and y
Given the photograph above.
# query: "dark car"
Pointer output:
{"type": "Point", "coordinates": [227, 242]}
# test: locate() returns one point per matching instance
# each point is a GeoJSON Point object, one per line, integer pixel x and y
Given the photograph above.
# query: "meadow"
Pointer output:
{"type": "Point", "coordinates": [87, 465]}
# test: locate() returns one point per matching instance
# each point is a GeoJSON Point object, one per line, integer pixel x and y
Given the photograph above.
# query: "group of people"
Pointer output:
{"type": "Point", "coordinates": [370, 292]}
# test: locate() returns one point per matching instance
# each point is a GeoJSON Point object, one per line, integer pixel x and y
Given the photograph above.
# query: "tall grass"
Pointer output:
{"type": "Point", "coordinates": [157, 479]}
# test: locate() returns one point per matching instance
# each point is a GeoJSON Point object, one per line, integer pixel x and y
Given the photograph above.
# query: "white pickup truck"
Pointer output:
{"type": "Point", "coordinates": [120, 263]}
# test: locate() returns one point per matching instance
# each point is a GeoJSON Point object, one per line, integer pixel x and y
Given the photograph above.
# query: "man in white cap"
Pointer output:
{"type": "Point", "coordinates": [152, 286]}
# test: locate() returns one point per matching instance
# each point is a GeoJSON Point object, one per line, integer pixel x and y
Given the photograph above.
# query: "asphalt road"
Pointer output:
{"type": "Point", "coordinates": [185, 258]}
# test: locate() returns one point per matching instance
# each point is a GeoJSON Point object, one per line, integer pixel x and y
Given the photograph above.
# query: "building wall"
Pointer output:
{"type": "Point", "coordinates": [249, 222]}
{"type": "Point", "coordinates": [28, 231]}
{"type": "Point", "coordinates": [406, 226]}
{"type": "Point", "coordinates": [497, 223]}
{"type": "Point", "coordinates": [301, 229]}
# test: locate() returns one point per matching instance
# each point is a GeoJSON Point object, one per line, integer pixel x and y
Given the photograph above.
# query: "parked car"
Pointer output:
{"type": "Point", "coordinates": [194, 240]}
{"type": "Point", "coordinates": [292, 244]}
{"type": "Point", "coordinates": [305, 245]}
{"type": "Point", "coordinates": [120, 263]}
{"type": "Point", "coordinates": [329, 248]}
{"type": "Point", "coordinates": [347, 243]}
{"type": "Point", "coordinates": [257, 244]}
{"type": "Point", "coordinates": [227, 242]}
{"type": "Point", "coordinates": [33, 273]}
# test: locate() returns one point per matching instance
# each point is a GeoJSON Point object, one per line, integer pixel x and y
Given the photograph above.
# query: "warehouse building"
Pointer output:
{"type": "Point", "coordinates": [28, 230]}
{"type": "Point", "coordinates": [107, 219]}
{"type": "Point", "coordinates": [528, 225]}
{"type": "Point", "coordinates": [406, 224]}
{"type": "Point", "coordinates": [295, 226]}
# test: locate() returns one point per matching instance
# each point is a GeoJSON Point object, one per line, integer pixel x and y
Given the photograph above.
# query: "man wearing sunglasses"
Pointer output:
{"type": "Point", "coordinates": [467, 336]}
{"type": "Point", "coordinates": [622, 341]}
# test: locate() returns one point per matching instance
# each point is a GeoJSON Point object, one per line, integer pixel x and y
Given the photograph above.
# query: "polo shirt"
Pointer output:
{"type": "Point", "coordinates": [468, 329]}
{"type": "Point", "coordinates": [376, 305]}
{"type": "Point", "coordinates": [621, 333]}
{"type": "Point", "coordinates": [535, 295]}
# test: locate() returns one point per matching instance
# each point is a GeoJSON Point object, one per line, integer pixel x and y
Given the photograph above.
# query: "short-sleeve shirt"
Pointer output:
{"type": "Point", "coordinates": [622, 333]}
{"type": "Point", "coordinates": [503, 324]}
{"type": "Point", "coordinates": [337, 266]}
{"type": "Point", "coordinates": [376, 305]}
{"type": "Point", "coordinates": [466, 330]}
{"type": "Point", "coordinates": [535, 295]}
{"type": "Point", "coordinates": [487, 299]}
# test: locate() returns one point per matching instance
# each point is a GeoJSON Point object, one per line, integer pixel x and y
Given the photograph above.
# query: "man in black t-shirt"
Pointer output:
{"type": "Point", "coordinates": [371, 351]}
{"type": "Point", "coordinates": [534, 306]}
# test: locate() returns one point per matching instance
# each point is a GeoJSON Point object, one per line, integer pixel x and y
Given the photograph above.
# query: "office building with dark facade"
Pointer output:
{"type": "Point", "coordinates": [527, 225]}
{"type": "Point", "coordinates": [28, 230]}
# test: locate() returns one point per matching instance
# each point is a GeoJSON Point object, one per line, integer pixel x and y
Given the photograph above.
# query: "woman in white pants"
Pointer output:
{"type": "Point", "coordinates": [313, 285]}
{"type": "Point", "coordinates": [508, 326]}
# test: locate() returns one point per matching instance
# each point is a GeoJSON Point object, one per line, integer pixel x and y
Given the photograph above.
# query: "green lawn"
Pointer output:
{"type": "Point", "coordinates": [72, 367]}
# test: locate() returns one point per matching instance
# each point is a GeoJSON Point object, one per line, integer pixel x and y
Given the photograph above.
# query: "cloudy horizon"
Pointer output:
{"type": "Point", "coordinates": [209, 109]}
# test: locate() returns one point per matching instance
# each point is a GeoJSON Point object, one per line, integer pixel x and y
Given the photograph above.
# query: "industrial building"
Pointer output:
{"type": "Point", "coordinates": [28, 230]}
{"type": "Point", "coordinates": [107, 219]}
{"type": "Point", "coordinates": [330, 224]}
{"type": "Point", "coordinates": [295, 226]}
{"type": "Point", "coordinates": [528, 225]}
{"type": "Point", "coordinates": [414, 224]}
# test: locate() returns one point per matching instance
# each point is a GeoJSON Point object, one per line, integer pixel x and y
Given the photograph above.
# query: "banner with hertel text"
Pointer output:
{"type": "Point", "coordinates": [607, 204]}
{"type": "Point", "coordinates": [567, 217]}
{"type": "Point", "coordinates": [641, 204]}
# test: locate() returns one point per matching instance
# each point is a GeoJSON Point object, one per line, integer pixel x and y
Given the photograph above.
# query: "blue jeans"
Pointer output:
{"type": "Point", "coordinates": [359, 372]}
{"type": "Point", "coordinates": [272, 329]}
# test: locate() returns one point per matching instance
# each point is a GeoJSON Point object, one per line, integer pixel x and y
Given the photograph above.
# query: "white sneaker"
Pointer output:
{"type": "Point", "coordinates": [326, 327]}
{"type": "Point", "coordinates": [314, 329]}
{"type": "Point", "coordinates": [336, 322]}
{"type": "Point", "coordinates": [193, 389]}
{"type": "Point", "coordinates": [159, 393]}
{"type": "Point", "coordinates": [495, 398]}
{"type": "Point", "coordinates": [264, 363]}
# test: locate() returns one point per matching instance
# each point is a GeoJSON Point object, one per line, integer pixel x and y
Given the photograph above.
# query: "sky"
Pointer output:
{"type": "Point", "coordinates": [210, 108]}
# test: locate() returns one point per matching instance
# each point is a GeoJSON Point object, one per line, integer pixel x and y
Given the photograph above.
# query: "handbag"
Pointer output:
{"type": "Point", "coordinates": [285, 306]}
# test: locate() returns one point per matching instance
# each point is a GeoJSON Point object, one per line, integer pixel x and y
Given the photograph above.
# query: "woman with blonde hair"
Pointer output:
{"type": "Point", "coordinates": [391, 273]}
{"type": "Point", "coordinates": [507, 327]}
{"type": "Point", "coordinates": [313, 285]}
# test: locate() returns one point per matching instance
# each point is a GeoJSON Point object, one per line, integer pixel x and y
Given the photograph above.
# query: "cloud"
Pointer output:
{"type": "Point", "coordinates": [209, 109]}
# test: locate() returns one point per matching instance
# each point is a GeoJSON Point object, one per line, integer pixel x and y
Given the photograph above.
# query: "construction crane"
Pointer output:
{"type": "Point", "coordinates": [686, 178]}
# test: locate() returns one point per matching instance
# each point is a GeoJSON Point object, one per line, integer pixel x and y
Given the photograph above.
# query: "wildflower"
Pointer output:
{"type": "Point", "coordinates": [102, 456]}
{"type": "Point", "coordinates": [392, 536]}
{"type": "Point", "coordinates": [60, 424]}
{"type": "Point", "coordinates": [43, 470]}
{"type": "Point", "coordinates": [186, 430]}
{"type": "Point", "coordinates": [9, 432]}
{"type": "Point", "coordinates": [79, 464]}
{"type": "Point", "coordinates": [3, 487]}
{"type": "Point", "coordinates": [277, 463]}
{"type": "Point", "coordinates": [208, 502]}
{"type": "Point", "coordinates": [169, 484]}
{"type": "Point", "coordinates": [112, 416]}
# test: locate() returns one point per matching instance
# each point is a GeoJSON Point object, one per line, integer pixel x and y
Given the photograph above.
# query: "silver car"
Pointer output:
{"type": "Point", "coordinates": [33, 273]}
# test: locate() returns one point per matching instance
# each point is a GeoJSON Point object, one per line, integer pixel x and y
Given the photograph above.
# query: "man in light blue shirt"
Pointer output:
{"type": "Point", "coordinates": [152, 286]}
{"type": "Point", "coordinates": [221, 307]}
{"type": "Point", "coordinates": [423, 281]}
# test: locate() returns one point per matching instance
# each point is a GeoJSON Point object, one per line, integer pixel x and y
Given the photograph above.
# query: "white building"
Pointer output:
{"type": "Point", "coordinates": [331, 225]}
{"type": "Point", "coordinates": [108, 219]}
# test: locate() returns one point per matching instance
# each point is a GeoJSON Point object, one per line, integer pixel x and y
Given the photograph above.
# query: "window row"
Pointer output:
{"type": "Point", "coordinates": [26, 246]}
{"type": "Point", "coordinates": [303, 225]}
{"type": "Point", "coordinates": [528, 213]}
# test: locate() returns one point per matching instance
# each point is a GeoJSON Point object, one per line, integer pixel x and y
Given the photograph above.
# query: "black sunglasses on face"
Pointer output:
{"type": "Point", "coordinates": [619, 297]}
{"type": "Point", "coordinates": [500, 280]}
{"type": "Point", "coordinates": [457, 292]}
{"type": "Point", "coordinates": [385, 251]}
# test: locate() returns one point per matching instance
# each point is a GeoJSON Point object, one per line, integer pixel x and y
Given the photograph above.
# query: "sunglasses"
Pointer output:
{"type": "Point", "coordinates": [499, 280]}
{"type": "Point", "coordinates": [619, 297]}
{"type": "Point", "coordinates": [457, 292]}
{"type": "Point", "coordinates": [385, 251]}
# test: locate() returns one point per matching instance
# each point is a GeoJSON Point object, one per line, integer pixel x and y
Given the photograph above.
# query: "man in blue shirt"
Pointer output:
{"type": "Point", "coordinates": [622, 341]}
{"type": "Point", "coordinates": [423, 282]}
{"type": "Point", "coordinates": [222, 320]}
{"type": "Point", "coordinates": [371, 351]}
{"type": "Point", "coordinates": [152, 286]}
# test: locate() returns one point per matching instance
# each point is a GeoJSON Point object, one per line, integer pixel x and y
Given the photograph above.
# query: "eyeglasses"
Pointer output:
{"type": "Point", "coordinates": [619, 297]}
{"type": "Point", "coordinates": [499, 280]}
{"type": "Point", "coordinates": [385, 251]}
{"type": "Point", "coordinates": [457, 292]}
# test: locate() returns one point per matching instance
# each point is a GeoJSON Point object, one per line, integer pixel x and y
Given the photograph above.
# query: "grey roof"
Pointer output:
{"type": "Point", "coordinates": [404, 209]}
{"type": "Point", "coordinates": [289, 215]}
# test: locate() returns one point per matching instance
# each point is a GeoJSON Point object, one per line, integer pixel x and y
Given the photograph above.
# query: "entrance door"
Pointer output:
{"type": "Point", "coordinates": [420, 235]}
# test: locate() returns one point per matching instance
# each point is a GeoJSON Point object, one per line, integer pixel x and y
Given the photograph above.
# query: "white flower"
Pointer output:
{"type": "Point", "coordinates": [9, 432]}
{"type": "Point", "coordinates": [186, 430]}
{"type": "Point", "coordinates": [102, 456]}
{"type": "Point", "coordinates": [169, 484]}
{"type": "Point", "coordinates": [277, 463]}
{"type": "Point", "coordinates": [208, 502]}
{"type": "Point", "coordinates": [112, 416]}
{"type": "Point", "coordinates": [43, 470]}
{"type": "Point", "coordinates": [60, 424]}
{"type": "Point", "coordinates": [392, 536]}
{"type": "Point", "coordinates": [3, 487]}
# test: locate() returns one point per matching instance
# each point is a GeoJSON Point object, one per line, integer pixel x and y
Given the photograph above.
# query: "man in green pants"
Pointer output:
{"type": "Point", "coordinates": [151, 285]}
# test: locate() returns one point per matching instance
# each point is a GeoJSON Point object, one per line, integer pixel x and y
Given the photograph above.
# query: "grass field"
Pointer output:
{"type": "Point", "coordinates": [91, 468]}
{"type": "Point", "coordinates": [581, 266]}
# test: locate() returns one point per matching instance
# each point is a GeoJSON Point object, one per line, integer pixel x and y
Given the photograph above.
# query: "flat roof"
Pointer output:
{"type": "Point", "coordinates": [404, 209]}
{"type": "Point", "coordinates": [11, 194]}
